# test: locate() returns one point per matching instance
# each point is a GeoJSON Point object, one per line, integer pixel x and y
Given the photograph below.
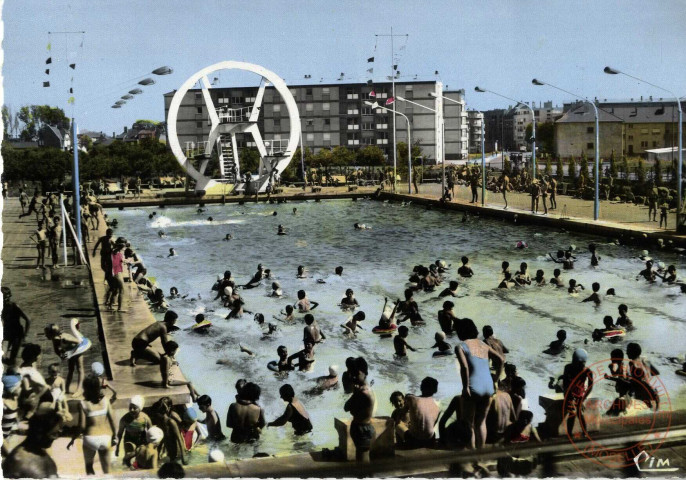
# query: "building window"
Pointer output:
{"type": "Point", "coordinates": [277, 124]}
{"type": "Point", "coordinates": [368, 141]}
{"type": "Point", "coordinates": [631, 137]}
{"type": "Point", "coordinates": [353, 124]}
{"type": "Point", "coordinates": [308, 91]}
{"type": "Point", "coordinates": [656, 131]}
{"type": "Point", "coordinates": [326, 91]}
{"type": "Point", "coordinates": [353, 139]}
{"type": "Point", "coordinates": [309, 107]}
{"type": "Point", "coordinates": [326, 107]}
{"type": "Point", "coordinates": [277, 107]}
{"type": "Point", "coordinates": [589, 129]}
{"type": "Point", "coordinates": [294, 92]}
{"type": "Point", "coordinates": [327, 122]}
{"type": "Point", "coordinates": [367, 126]}
{"type": "Point", "coordinates": [589, 145]}
{"type": "Point", "coordinates": [366, 110]}
{"type": "Point", "coordinates": [250, 99]}
{"type": "Point", "coordinates": [326, 137]}
{"type": "Point", "coordinates": [221, 100]}
{"type": "Point", "coordinates": [630, 126]}
{"type": "Point", "coordinates": [353, 110]}
{"type": "Point", "coordinates": [644, 144]}
{"type": "Point", "coordinates": [199, 110]}
{"type": "Point", "coordinates": [310, 137]}
{"type": "Point", "coordinates": [309, 123]}
{"type": "Point", "coordinates": [644, 131]}
{"type": "Point", "coordinates": [198, 124]}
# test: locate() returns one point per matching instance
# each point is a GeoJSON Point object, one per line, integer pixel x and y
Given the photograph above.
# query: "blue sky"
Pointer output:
{"type": "Point", "coordinates": [496, 44]}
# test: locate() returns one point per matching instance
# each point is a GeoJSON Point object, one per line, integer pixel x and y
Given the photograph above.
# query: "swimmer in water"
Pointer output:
{"type": "Point", "coordinates": [361, 226]}
{"type": "Point", "coordinates": [282, 364]}
{"type": "Point", "coordinates": [256, 278]}
{"type": "Point", "coordinates": [507, 282]}
{"type": "Point", "coordinates": [276, 290]}
{"type": "Point", "coordinates": [172, 253]}
{"type": "Point", "coordinates": [595, 258]}
{"type": "Point", "coordinates": [623, 320]}
{"type": "Point", "coordinates": [267, 328]}
{"type": "Point", "coordinates": [281, 230]}
{"type": "Point", "coordinates": [237, 309]}
{"type": "Point", "coordinates": [557, 280]}
{"type": "Point", "coordinates": [312, 332]}
{"type": "Point", "coordinates": [400, 343]}
{"type": "Point", "coordinates": [446, 317]}
{"type": "Point", "coordinates": [558, 346]}
{"type": "Point", "coordinates": [451, 291]}
{"type": "Point", "coordinates": [505, 268]}
{"type": "Point", "coordinates": [305, 357]}
{"type": "Point", "coordinates": [339, 271]}
{"type": "Point", "coordinates": [595, 296]}
{"type": "Point", "coordinates": [301, 273]}
{"type": "Point", "coordinates": [566, 259]}
{"type": "Point", "coordinates": [522, 276]}
{"type": "Point", "coordinates": [574, 287]}
{"type": "Point", "coordinates": [648, 273]}
{"type": "Point", "coordinates": [410, 309]}
{"type": "Point", "coordinates": [200, 210]}
{"type": "Point", "coordinates": [540, 278]}
{"type": "Point", "coordinates": [304, 304]}
{"type": "Point", "coordinates": [174, 292]}
{"type": "Point", "coordinates": [289, 316]}
{"type": "Point", "coordinates": [161, 234]}
{"type": "Point", "coordinates": [210, 219]}
{"type": "Point", "coordinates": [352, 324]}
{"type": "Point", "coordinates": [609, 325]}
{"type": "Point", "coordinates": [228, 237]}
{"type": "Point", "coordinates": [295, 211]}
{"type": "Point", "coordinates": [465, 270]}
{"type": "Point", "coordinates": [349, 302]}
{"type": "Point", "coordinates": [444, 347]}
{"type": "Point", "coordinates": [388, 316]}
{"type": "Point", "coordinates": [670, 276]}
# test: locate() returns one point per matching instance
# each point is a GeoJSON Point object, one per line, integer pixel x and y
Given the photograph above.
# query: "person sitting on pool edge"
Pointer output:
{"type": "Point", "coordinates": [295, 412]}
{"type": "Point", "coordinates": [141, 342]}
{"type": "Point", "coordinates": [424, 412]}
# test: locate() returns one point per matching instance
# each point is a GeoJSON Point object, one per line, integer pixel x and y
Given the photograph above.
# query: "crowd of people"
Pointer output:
{"type": "Point", "coordinates": [491, 408]}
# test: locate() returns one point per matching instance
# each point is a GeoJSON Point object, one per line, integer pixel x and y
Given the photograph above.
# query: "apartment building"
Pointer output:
{"type": "Point", "coordinates": [475, 123]}
{"type": "Point", "coordinates": [335, 114]}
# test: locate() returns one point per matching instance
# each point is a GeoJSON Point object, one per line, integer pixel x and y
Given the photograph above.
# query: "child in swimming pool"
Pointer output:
{"type": "Point", "coordinates": [540, 278]}
{"type": "Point", "coordinates": [557, 280]}
{"type": "Point", "coordinates": [351, 325]}
{"type": "Point", "coordinates": [623, 320]}
{"type": "Point", "coordinates": [574, 287]}
{"type": "Point", "coordinates": [212, 421]}
{"type": "Point", "coordinates": [166, 362]}
{"type": "Point", "coordinates": [400, 415]}
{"type": "Point", "coordinates": [289, 315]}
{"type": "Point", "coordinates": [522, 276]}
{"type": "Point", "coordinates": [349, 302]}
{"type": "Point", "coordinates": [276, 290]}
{"type": "Point", "coordinates": [465, 270]}
{"type": "Point", "coordinates": [508, 282]}
{"type": "Point", "coordinates": [388, 316]}
{"type": "Point", "coordinates": [400, 343]}
{"type": "Point", "coordinates": [558, 346]}
{"type": "Point", "coordinates": [595, 296]}
{"type": "Point", "coordinates": [444, 347]}
{"type": "Point", "coordinates": [522, 430]}
{"type": "Point", "coordinates": [451, 291]}
{"type": "Point", "coordinates": [304, 304]}
{"type": "Point", "coordinates": [599, 333]}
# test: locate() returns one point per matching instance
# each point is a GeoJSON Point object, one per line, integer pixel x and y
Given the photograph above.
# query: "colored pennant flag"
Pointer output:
{"type": "Point", "coordinates": [71, 90]}
{"type": "Point", "coordinates": [370, 59]}
{"type": "Point", "coordinates": [372, 94]}
{"type": "Point", "coordinates": [395, 67]}
{"type": "Point", "coordinates": [49, 46]}
{"type": "Point", "coordinates": [47, 71]}
{"type": "Point", "coordinates": [390, 101]}
{"type": "Point", "coordinates": [370, 70]}
{"type": "Point", "coordinates": [46, 84]}
{"type": "Point", "coordinates": [48, 61]}
{"type": "Point", "coordinates": [71, 100]}
{"type": "Point", "coordinates": [72, 66]}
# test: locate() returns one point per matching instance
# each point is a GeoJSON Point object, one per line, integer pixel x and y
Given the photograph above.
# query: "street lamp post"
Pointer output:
{"type": "Point", "coordinates": [614, 71]}
{"type": "Point", "coordinates": [533, 115]}
{"type": "Point", "coordinates": [431, 94]}
{"type": "Point", "coordinates": [596, 198]}
{"type": "Point", "coordinates": [409, 143]}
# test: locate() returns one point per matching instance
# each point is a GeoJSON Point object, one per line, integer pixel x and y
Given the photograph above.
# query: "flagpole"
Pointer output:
{"type": "Point", "coordinates": [395, 146]}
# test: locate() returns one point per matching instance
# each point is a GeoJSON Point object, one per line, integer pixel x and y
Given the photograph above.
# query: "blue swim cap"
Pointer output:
{"type": "Point", "coordinates": [191, 414]}
{"type": "Point", "coordinates": [10, 381]}
{"type": "Point", "coordinates": [98, 369]}
{"type": "Point", "coordinates": [580, 355]}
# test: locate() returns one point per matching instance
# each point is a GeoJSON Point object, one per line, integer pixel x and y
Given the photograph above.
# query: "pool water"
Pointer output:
{"type": "Point", "coordinates": [377, 264]}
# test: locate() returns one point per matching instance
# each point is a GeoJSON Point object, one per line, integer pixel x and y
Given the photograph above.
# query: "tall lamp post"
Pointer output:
{"type": "Point", "coordinates": [442, 133]}
{"type": "Point", "coordinates": [409, 143]}
{"type": "Point", "coordinates": [614, 71]}
{"type": "Point", "coordinates": [596, 198]}
{"type": "Point", "coordinates": [533, 115]}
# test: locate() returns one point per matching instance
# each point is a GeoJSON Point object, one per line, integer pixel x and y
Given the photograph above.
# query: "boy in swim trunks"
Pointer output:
{"type": "Point", "coordinates": [166, 362]}
{"type": "Point", "coordinates": [312, 332]}
{"type": "Point", "coordinates": [304, 304]}
{"type": "Point", "coordinates": [577, 383]}
{"type": "Point", "coordinates": [361, 407]}
{"type": "Point", "coordinates": [214, 427]}
{"type": "Point", "coordinates": [400, 343]}
{"type": "Point", "coordinates": [623, 320]}
{"type": "Point", "coordinates": [400, 416]}
{"type": "Point", "coordinates": [349, 301]}
{"type": "Point", "coordinates": [295, 412]}
{"type": "Point", "coordinates": [446, 317]}
{"type": "Point", "coordinates": [305, 357]}
{"type": "Point", "coordinates": [141, 342]}
{"type": "Point", "coordinates": [558, 346]}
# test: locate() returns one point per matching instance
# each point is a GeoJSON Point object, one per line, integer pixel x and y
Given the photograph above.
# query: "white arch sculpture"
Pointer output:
{"type": "Point", "coordinates": [269, 163]}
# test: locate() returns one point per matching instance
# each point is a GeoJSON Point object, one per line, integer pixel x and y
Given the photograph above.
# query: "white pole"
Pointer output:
{"type": "Point", "coordinates": [395, 147]}
{"type": "Point", "coordinates": [64, 230]}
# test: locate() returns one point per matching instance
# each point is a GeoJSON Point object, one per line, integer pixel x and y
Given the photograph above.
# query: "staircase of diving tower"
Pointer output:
{"type": "Point", "coordinates": [227, 164]}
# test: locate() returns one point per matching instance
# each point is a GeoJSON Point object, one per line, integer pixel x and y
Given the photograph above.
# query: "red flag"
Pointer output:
{"type": "Point", "coordinates": [390, 101]}
{"type": "Point", "coordinates": [372, 93]}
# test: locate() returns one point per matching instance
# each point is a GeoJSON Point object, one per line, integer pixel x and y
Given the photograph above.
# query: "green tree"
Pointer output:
{"type": "Point", "coordinates": [583, 166]}
{"type": "Point", "coordinates": [657, 172]}
{"type": "Point", "coordinates": [402, 156]}
{"type": "Point", "coordinates": [548, 167]}
{"type": "Point", "coordinates": [370, 155]}
{"type": "Point", "coordinates": [545, 137]}
{"type": "Point", "coordinates": [249, 159]}
{"type": "Point", "coordinates": [6, 120]}
{"type": "Point", "coordinates": [640, 172]}
{"type": "Point", "coordinates": [342, 156]}
{"type": "Point", "coordinates": [613, 165]}
{"type": "Point", "coordinates": [571, 170]}
{"type": "Point", "coordinates": [625, 168]}
{"type": "Point", "coordinates": [559, 170]}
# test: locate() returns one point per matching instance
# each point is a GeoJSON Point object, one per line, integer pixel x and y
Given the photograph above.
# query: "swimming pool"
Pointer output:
{"type": "Point", "coordinates": [377, 264]}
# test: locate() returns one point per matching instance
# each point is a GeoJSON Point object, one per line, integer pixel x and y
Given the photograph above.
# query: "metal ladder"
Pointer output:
{"type": "Point", "coordinates": [226, 159]}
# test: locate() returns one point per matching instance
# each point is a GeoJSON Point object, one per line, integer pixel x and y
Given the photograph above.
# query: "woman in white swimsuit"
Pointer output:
{"type": "Point", "coordinates": [96, 423]}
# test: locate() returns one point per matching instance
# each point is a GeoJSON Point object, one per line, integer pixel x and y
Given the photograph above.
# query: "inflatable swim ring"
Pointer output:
{"type": "Point", "coordinates": [681, 372]}
{"type": "Point", "coordinates": [202, 327]}
{"type": "Point", "coordinates": [609, 334]}
{"type": "Point", "coordinates": [273, 366]}
{"type": "Point", "coordinates": [444, 353]}
{"type": "Point", "coordinates": [84, 343]}
{"type": "Point", "coordinates": [385, 331]}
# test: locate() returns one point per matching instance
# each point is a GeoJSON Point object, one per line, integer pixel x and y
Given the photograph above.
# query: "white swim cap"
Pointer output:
{"type": "Point", "coordinates": [580, 355]}
{"type": "Point", "coordinates": [644, 253]}
{"type": "Point", "coordinates": [138, 401]}
{"type": "Point", "coordinates": [98, 369]}
{"type": "Point", "coordinates": [333, 370]}
{"type": "Point", "coordinates": [215, 456]}
{"type": "Point", "coordinates": [154, 435]}
{"type": "Point", "coordinates": [440, 335]}
{"type": "Point", "coordinates": [228, 291]}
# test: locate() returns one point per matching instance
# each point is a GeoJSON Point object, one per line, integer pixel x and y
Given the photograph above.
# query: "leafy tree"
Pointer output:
{"type": "Point", "coordinates": [640, 172]}
{"type": "Point", "coordinates": [657, 172]}
{"type": "Point", "coordinates": [559, 170]}
{"type": "Point", "coordinates": [583, 166]}
{"type": "Point", "coordinates": [625, 167]}
{"type": "Point", "coordinates": [613, 165]}
{"type": "Point", "coordinates": [548, 167]}
{"type": "Point", "coordinates": [6, 120]}
{"type": "Point", "coordinates": [342, 156]}
{"type": "Point", "coordinates": [545, 136]}
{"type": "Point", "coordinates": [370, 155]}
{"type": "Point", "coordinates": [571, 170]}
{"type": "Point", "coordinates": [35, 116]}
